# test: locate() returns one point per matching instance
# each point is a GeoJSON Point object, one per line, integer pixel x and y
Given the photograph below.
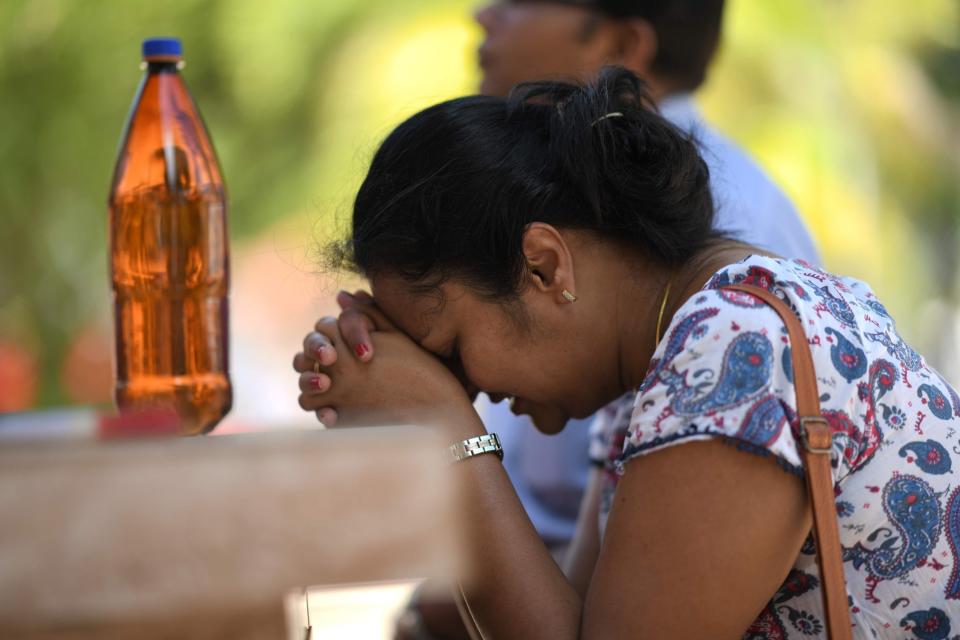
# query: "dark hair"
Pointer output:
{"type": "Point", "coordinates": [688, 32]}
{"type": "Point", "coordinates": [451, 191]}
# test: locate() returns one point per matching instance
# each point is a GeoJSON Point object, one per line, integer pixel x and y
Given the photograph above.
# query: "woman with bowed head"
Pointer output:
{"type": "Point", "coordinates": [556, 248]}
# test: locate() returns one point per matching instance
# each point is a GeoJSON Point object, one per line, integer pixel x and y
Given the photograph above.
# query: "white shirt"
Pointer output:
{"type": "Point", "coordinates": [550, 473]}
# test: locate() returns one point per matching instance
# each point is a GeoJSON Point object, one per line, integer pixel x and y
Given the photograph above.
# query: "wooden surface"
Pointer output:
{"type": "Point", "coordinates": [183, 538]}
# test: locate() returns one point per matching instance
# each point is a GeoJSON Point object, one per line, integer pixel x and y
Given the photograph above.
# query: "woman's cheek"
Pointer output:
{"type": "Point", "coordinates": [471, 375]}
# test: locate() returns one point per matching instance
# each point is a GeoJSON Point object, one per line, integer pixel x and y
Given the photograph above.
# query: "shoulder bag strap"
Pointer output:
{"type": "Point", "coordinates": [815, 450]}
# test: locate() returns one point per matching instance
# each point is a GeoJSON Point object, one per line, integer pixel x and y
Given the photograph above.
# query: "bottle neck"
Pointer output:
{"type": "Point", "coordinates": [162, 66]}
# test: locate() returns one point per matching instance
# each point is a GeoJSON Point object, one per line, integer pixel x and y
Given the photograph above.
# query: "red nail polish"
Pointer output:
{"type": "Point", "coordinates": [361, 350]}
{"type": "Point", "coordinates": [315, 382]}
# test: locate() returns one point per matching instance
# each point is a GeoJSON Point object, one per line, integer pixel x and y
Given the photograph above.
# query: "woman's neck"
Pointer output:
{"type": "Point", "coordinates": [641, 299]}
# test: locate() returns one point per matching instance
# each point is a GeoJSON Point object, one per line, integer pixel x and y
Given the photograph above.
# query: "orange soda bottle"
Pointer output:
{"type": "Point", "coordinates": [169, 260]}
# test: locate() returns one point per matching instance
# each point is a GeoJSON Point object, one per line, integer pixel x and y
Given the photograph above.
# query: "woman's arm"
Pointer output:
{"type": "Point", "coordinates": [700, 537]}
{"type": "Point", "coordinates": [513, 585]}
{"type": "Point", "coordinates": [581, 556]}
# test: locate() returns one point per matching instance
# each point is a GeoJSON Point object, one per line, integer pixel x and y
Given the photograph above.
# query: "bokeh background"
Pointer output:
{"type": "Point", "coordinates": [852, 105]}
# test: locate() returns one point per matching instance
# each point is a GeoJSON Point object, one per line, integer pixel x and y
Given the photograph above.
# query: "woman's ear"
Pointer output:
{"type": "Point", "coordinates": [549, 262]}
{"type": "Point", "coordinates": [637, 46]}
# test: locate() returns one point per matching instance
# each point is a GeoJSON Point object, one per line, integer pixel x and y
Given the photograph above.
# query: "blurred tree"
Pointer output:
{"type": "Point", "coordinates": [853, 109]}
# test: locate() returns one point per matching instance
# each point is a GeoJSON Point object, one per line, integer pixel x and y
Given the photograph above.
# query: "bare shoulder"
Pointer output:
{"type": "Point", "coordinates": [700, 537]}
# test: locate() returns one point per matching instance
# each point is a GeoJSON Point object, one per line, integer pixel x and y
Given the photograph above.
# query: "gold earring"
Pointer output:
{"type": "Point", "coordinates": [569, 297]}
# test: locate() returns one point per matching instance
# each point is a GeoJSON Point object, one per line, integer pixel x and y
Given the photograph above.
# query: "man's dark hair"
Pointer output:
{"type": "Point", "coordinates": [688, 33]}
{"type": "Point", "coordinates": [451, 191]}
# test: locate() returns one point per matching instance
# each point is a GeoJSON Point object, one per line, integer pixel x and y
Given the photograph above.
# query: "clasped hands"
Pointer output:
{"type": "Point", "coordinates": [344, 384]}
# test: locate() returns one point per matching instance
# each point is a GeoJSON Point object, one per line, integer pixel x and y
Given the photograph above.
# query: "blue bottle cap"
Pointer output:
{"type": "Point", "coordinates": [162, 49]}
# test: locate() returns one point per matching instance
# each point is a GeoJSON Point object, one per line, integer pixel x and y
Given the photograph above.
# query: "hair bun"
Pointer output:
{"type": "Point", "coordinates": [452, 190]}
{"type": "Point", "coordinates": [640, 177]}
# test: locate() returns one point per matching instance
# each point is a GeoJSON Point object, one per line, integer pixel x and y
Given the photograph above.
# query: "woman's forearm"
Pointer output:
{"type": "Point", "coordinates": [513, 586]}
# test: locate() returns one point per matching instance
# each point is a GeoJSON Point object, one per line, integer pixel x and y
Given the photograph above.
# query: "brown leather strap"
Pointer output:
{"type": "Point", "coordinates": [815, 450]}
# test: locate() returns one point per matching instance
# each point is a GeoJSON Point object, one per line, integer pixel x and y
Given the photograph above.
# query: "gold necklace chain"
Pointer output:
{"type": "Point", "coordinates": [663, 307]}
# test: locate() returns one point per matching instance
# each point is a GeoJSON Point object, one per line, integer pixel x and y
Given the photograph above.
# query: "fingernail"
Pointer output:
{"type": "Point", "coordinates": [327, 416]}
{"type": "Point", "coordinates": [316, 382]}
{"type": "Point", "coordinates": [319, 351]}
{"type": "Point", "coordinates": [361, 350]}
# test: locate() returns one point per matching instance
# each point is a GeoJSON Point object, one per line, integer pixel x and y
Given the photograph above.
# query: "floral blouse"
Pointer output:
{"type": "Point", "coordinates": [724, 370]}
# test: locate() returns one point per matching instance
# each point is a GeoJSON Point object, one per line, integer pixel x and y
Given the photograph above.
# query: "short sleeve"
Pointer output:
{"type": "Point", "coordinates": [722, 371]}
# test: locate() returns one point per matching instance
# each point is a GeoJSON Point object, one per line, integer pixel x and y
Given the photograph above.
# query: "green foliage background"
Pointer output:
{"type": "Point", "coordinates": [853, 106]}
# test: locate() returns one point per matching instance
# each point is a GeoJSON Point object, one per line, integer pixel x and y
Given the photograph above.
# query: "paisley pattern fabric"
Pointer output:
{"type": "Point", "coordinates": [724, 371]}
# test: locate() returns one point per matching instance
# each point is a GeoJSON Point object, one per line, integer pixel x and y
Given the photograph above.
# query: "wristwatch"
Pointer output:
{"type": "Point", "coordinates": [487, 443]}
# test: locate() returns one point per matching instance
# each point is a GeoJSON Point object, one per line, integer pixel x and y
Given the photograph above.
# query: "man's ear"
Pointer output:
{"type": "Point", "coordinates": [637, 46]}
{"type": "Point", "coordinates": [549, 261]}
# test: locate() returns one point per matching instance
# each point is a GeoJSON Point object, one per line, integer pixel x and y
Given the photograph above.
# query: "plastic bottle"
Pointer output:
{"type": "Point", "coordinates": [169, 259]}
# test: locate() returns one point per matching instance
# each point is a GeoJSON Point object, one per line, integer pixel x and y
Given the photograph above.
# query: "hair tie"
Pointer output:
{"type": "Point", "coordinates": [612, 114]}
